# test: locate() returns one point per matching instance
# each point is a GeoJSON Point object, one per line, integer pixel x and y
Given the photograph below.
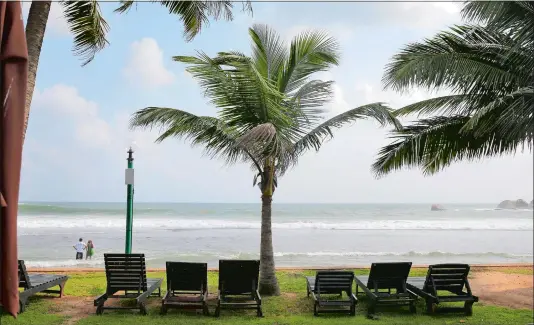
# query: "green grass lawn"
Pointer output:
{"type": "Point", "coordinates": [292, 307]}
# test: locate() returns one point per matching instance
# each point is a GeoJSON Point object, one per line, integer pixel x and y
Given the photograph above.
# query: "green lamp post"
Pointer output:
{"type": "Point", "coordinates": [129, 180]}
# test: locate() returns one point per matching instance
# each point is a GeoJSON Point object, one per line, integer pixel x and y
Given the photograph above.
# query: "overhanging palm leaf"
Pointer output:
{"type": "Point", "coordinates": [194, 14]}
{"type": "Point", "coordinates": [88, 27]}
{"type": "Point", "coordinates": [488, 69]}
{"type": "Point", "coordinates": [514, 17]}
{"type": "Point", "coordinates": [437, 142]}
{"type": "Point", "coordinates": [466, 59]}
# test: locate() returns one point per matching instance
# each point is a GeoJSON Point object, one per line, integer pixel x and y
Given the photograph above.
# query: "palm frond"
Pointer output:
{"type": "Point", "coordinates": [516, 18]}
{"type": "Point", "coordinates": [513, 108]}
{"type": "Point", "coordinates": [310, 52]}
{"type": "Point", "coordinates": [125, 6]}
{"type": "Point", "coordinates": [88, 27]}
{"type": "Point", "coordinates": [435, 143]}
{"type": "Point", "coordinates": [268, 51]}
{"type": "Point", "coordinates": [461, 104]}
{"type": "Point", "coordinates": [196, 14]}
{"type": "Point", "coordinates": [234, 86]}
{"type": "Point", "coordinates": [218, 140]}
{"type": "Point", "coordinates": [315, 138]}
{"type": "Point", "coordinates": [466, 60]}
{"type": "Point", "coordinates": [193, 14]}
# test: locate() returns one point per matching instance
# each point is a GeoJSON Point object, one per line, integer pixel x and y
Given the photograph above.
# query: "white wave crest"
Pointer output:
{"type": "Point", "coordinates": [187, 224]}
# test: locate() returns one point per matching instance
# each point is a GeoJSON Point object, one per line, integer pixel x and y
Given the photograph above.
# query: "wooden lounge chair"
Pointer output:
{"type": "Point", "coordinates": [451, 278]}
{"type": "Point", "coordinates": [127, 273]}
{"type": "Point", "coordinates": [34, 283]}
{"type": "Point", "coordinates": [378, 286]}
{"type": "Point", "coordinates": [238, 286]}
{"type": "Point", "coordinates": [187, 286]}
{"type": "Point", "coordinates": [328, 283]}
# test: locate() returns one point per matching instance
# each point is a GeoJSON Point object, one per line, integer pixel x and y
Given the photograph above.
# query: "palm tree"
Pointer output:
{"type": "Point", "coordinates": [89, 28]}
{"type": "Point", "coordinates": [270, 113]}
{"type": "Point", "coordinates": [488, 68]}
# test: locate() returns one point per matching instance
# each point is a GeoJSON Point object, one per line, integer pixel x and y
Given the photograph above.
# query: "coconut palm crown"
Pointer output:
{"type": "Point", "coordinates": [270, 111]}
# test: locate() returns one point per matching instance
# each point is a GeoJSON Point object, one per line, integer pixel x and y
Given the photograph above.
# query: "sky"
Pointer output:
{"type": "Point", "coordinates": [78, 134]}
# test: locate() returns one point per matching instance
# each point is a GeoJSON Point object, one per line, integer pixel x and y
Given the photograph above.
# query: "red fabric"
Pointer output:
{"type": "Point", "coordinates": [13, 79]}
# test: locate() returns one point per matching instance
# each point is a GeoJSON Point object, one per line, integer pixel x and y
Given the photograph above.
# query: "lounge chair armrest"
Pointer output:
{"type": "Point", "coordinates": [258, 296]}
{"type": "Point", "coordinates": [143, 297]}
{"type": "Point", "coordinates": [353, 297]}
{"type": "Point", "coordinates": [100, 298]}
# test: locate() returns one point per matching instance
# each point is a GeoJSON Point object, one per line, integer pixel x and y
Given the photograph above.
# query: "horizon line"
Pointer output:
{"type": "Point", "coordinates": [310, 203]}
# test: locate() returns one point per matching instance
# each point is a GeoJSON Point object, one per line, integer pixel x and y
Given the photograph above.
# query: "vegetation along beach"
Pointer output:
{"type": "Point", "coordinates": [312, 162]}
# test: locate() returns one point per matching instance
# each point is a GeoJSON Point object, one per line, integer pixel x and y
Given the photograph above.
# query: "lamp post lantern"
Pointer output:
{"type": "Point", "coordinates": [129, 180]}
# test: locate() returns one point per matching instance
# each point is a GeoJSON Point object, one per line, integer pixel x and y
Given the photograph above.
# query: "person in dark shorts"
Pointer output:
{"type": "Point", "coordinates": [79, 247]}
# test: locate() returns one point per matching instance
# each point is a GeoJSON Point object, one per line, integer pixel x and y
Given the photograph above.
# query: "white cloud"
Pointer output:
{"type": "Point", "coordinates": [146, 65]}
{"type": "Point", "coordinates": [65, 100]}
{"type": "Point", "coordinates": [427, 15]}
{"type": "Point", "coordinates": [92, 130]}
{"type": "Point", "coordinates": [56, 24]}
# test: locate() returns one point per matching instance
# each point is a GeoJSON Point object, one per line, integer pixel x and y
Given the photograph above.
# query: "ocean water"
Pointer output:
{"type": "Point", "coordinates": [303, 234]}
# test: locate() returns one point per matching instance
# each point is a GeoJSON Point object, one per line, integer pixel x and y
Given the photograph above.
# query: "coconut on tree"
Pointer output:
{"type": "Point", "coordinates": [487, 65]}
{"type": "Point", "coordinates": [89, 28]}
{"type": "Point", "coordinates": [270, 112]}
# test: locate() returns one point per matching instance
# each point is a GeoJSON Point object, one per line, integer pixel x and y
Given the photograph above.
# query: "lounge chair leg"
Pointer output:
{"type": "Point", "coordinates": [353, 309]}
{"type": "Point", "coordinates": [259, 312]}
{"type": "Point", "coordinates": [100, 309]}
{"type": "Point", "coordinates": [218, 311]}
{"type": "Point", "coordinates": [142, 309]}
{"type": "Point", "coordinates": [315, 309]}
{"type": "Point", "coordinates": [163, 310]}
{"type": "Point", "coordinates": [205, 310]}
{"type": "Point", "coordinates": [468, 307]}
{"type": "Point", "coordinates": [22, 306]}
{"type": "Point", "coordinates": [371, 311]}
{"type": "Point", "coordinates": [412, 307]}
{"type": "Point", "coordinates": [430, 306]}
{"type": "Point", "coordinates": [61, 288]}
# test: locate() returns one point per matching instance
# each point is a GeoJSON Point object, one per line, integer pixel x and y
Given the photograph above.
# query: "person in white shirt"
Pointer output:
{"type": "Point", "coordinates": [79, 247]}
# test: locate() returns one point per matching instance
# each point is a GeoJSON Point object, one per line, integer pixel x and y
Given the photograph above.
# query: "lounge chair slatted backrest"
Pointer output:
{"type": "Point", "coordinates": [333, 282]}
{"type": "Point", "coordinates": [238, 286]}
{"type": "Point", "coordinates": [24, 278]}
{"type": "Point", "coordinates": [187, 277]}
{"type": "Point", "coordinates": [449, 277]}
{"type": "Point", "coordinates": [125, 272]}
{"type": "Point", "coordinates": [237, 277]}
{"type": "Point", "coordinates": [389, 275]}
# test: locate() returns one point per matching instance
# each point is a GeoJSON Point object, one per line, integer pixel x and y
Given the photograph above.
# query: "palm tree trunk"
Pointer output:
{"type": "Point", "coordinates": [268, 282]}
{"type": "Point", "coordinates": [35, 31]}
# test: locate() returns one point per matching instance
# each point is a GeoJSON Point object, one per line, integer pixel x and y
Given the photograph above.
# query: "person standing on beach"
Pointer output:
{"type": "Point", "coordinates": [79, 247]}
{"type": "Point", "coordinates": [90, 250]}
